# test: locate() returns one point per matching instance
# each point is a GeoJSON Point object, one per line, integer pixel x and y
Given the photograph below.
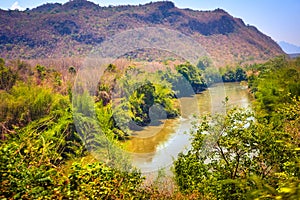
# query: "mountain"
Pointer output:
{"type": "Point", "coordinates": [74, 28]}
{"type": "Point", "coordinates": [289, 48]}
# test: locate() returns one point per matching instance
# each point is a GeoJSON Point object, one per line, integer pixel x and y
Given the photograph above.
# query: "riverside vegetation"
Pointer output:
{"type": "Point", "coordinates": [240, 155]}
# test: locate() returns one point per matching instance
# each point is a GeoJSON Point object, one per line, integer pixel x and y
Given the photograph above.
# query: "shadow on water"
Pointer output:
{"type": "Point", "coordinates": [153, 123]}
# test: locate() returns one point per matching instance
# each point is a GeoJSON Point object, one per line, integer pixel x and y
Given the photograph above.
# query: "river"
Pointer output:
{"type": "Point", "coordinates": [156, 147]}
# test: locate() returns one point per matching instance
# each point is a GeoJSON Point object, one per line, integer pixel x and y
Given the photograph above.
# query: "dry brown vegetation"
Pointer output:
{"type": "Point", "coordinates": [73, 29]}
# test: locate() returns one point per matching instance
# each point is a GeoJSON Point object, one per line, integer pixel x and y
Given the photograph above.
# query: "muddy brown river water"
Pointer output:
{"type": "Point", "coordinates": [156, 146]}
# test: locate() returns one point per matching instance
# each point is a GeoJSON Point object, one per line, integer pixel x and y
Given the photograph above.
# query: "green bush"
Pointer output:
{"type": "Point", "coordinates": [25, 103]}
{"type": "Point", "coordinates": [7, 76]}
{"type": "Point", "coordinates": [233, 154]}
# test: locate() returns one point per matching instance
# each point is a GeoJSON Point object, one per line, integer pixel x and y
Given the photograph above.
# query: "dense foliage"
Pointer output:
{"type": "Point", "coordinates": [46, 142]}
{"type": "Point", "coordinates": [226, 74]}
{"type": "Point", "coordinates": [246, 155]}
{"type": "Point", "coordinates": [144, 95]}
{"type": "Point", "coordinates": [234, 154]}
{"type": "Point", "coordinates": [193, 76]}
{"type": "Point", "coordinates": [274, 84]}
{"type": "Point", "coordinates": [33, 167]}
{"type": "Point", "coordinates": [140, 97]}
{"type": "Point", "coordinates": [213, 75]}
{"type": "Point", "coordinates": [7, 76]}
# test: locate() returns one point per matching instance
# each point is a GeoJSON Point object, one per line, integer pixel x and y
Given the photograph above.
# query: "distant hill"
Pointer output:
{"type": "Point", "coordinates": [294, 55]}
{"type": "Point", "coordinates": [289, 48]}
{"type": "Point", "coordinates": [74, 28]}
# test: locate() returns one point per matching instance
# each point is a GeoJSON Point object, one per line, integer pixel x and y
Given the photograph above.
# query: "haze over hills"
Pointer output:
{"type": "Point", "coordinates": [74, 28]}
{"type": "Point", "coordinates": [289, 48]}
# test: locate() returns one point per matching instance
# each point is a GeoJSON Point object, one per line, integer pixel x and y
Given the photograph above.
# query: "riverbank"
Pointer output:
{"type": "Point", "coordinates": [155, 147]}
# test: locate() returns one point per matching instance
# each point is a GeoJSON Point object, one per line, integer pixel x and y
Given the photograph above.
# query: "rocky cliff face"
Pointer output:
{"type": "Point", "coordinates": [74, 28]}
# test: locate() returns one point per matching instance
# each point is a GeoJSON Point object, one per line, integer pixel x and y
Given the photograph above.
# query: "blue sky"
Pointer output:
{"type": "Point", "coordinates": [279, 19]}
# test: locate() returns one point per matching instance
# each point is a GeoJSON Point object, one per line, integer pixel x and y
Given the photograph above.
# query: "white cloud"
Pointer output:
{"type": "Point", "coordinates": [16, 6]}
